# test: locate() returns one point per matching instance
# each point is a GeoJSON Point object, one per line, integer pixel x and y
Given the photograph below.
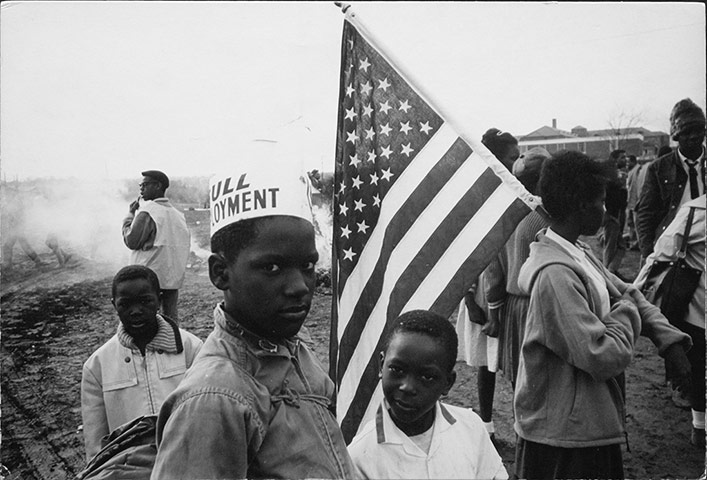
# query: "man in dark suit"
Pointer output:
{"type": "Point", "coordinates": [675, 178]}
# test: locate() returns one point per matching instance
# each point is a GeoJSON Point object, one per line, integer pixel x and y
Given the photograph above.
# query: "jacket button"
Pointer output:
{"type": "Point", "coordinates": [127, 359]}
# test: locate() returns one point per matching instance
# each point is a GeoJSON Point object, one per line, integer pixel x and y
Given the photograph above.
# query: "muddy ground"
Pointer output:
{"type": "Point", "coordinates": [53, 318]}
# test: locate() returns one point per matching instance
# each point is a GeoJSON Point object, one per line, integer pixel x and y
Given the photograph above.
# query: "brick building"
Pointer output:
{"type": "Point", "coordinates": [638, 141]}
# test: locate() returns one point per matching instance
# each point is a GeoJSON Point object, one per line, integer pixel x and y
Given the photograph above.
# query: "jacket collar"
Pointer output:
{"type": "Point", "coordinates": [167, 338]}
{"type": "Point", "coordinates": [260, 344]}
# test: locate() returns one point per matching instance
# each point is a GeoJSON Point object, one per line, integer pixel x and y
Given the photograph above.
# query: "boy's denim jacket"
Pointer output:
{"type": "Point", "coordinates": [251, 408]}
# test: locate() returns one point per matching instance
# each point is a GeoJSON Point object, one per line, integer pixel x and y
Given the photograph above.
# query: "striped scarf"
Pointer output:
{"type": "Point", "coordinates": [167, 338]}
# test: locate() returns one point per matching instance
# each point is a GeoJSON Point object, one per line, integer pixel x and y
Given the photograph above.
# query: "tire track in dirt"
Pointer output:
{"type": "Point", "coordinates": [29, 437]}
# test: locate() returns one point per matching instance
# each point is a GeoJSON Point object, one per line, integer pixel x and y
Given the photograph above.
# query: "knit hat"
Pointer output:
{"type": "Point", "coordinates": [685, 114]}
{"type": "Point", "coordinates": [498, 141]}
{"type": "Point", "coordinates": [266, 181]}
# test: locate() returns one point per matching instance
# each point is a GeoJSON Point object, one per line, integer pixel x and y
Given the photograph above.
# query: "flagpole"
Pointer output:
{"type": "Point", "coordinates": [531, 200]}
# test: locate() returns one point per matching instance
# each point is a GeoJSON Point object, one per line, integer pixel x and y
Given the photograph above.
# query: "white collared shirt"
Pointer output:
{"type": "Point", "coordinates": [595, 276]}
{"type": "Point", "coordinates": [460, 448]}
{"type": "Point", "coordinates": [686, 193]}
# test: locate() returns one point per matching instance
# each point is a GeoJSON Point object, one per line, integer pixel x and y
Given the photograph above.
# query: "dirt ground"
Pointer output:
{"type": "Point", "coordinates": [52, 319]}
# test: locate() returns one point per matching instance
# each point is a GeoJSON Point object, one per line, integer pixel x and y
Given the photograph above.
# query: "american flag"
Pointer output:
{"type": "Point", "coordinates": [417, 216]}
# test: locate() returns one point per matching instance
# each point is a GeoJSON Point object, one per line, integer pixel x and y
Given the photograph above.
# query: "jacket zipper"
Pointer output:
{"type": "Point", "coordinates": [147, 383]}
{"type": "Point", "coordinates": [622, 409]}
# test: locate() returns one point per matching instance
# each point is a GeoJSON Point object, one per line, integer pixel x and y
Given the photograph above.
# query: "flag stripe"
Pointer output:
{"type": "Point", "coordinates": [444, 227]}
{"type": "Point", "coordinates": [414, 174]}
{"type": "Point", "coordinates": [464, 224]}
{"type": "Point", "coordinates": [447, 302]}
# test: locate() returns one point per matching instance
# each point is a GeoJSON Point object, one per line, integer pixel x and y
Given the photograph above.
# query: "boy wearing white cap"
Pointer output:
{"type": "Point", "coordinates": [256, 403]}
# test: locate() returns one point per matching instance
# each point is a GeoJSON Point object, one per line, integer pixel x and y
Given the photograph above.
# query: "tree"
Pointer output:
{"type": "Point", "coordinates": [621, 125]}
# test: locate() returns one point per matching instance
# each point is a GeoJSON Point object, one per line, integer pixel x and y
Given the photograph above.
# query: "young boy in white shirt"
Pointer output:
{"type": "Point", "coordinates": [414, 435]}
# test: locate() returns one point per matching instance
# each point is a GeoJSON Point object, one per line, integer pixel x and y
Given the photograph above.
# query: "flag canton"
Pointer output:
{"type": "Point", "coordinates": [383, 125]}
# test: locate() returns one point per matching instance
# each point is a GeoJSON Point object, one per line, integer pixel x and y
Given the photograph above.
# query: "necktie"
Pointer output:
{"type": "Point", "coordinates": [694, 188]}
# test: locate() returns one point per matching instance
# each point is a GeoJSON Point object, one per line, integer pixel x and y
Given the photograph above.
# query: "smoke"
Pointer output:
{"type": "Point", "coordinates": [323, 236]}
{"type": "Point", "coordinates": [197, 250]}
{"type": "Point", "coordinates": [84, 217]}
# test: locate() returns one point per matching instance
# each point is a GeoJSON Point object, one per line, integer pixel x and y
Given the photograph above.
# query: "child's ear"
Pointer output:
{"type": "Point", "coordinates": [218, 271]}
{"type": "Point", "coordinates": [380, 367]}
{"type": "Point", "coordinates": [451, 378]}
{"type": "Point", "coordinates": [112, 302]}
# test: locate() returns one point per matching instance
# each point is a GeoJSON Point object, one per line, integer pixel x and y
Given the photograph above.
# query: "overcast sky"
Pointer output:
{"type": "Point", "coordinates": [107, 89]}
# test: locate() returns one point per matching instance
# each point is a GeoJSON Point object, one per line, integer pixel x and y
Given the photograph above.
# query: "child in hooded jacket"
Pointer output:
{"type": "Point", "coordinates": [581, 329]}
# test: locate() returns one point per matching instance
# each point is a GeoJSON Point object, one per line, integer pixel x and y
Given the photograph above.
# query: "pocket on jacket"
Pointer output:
{"type": "Point", "coordinates": [171, 365]}
{"type": "Point", "coordinates": [119, 384]}
{"type": "Point", "coordinates": [119, 374]}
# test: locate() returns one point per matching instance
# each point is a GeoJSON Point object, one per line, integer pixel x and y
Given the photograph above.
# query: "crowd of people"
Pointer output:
{"type": "Point", "coordinates": [560, 322]}
{"type": "Point", "coordinates": [546, 293]}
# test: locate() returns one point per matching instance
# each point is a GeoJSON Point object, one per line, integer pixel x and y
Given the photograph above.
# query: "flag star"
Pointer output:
{"type": "Point", "coordinates": [384, 107]}
{"type": "Point", "coordinates": [366, 88]}
{"type": "Point", "coordinates": [350, 43]}
{"type": "Point", "coordinates": [353, 160]}
{"type": "Point", "coordinates": [374, 178]}
{"type": "Point", "coordinates": [405, 128]}
{"type": "Point", "coordinates": [352, 137]}
{"type": "Point", "coordinates": [343, 209]}
{"type": "Point", "coordinates": [367, 110]}
{"type": "Point", "coordinates": [372, 156]}
{"type": "Point", "coordinates": [349, 254]}
{"type": "Point", "coordinates": [345, 232]}
{"type": "Point", "coordinates": [359, 205]}
{"type": "Point", "coordinates": [425, 127]}
{"type": "Point", "coordinates": [350, 114]}
{"type": "Point", "coordinates": [385, 129]}
{"type": "Point", "coordinates": [369, 133]}
{"type": "Point", "coordinates": [342, 187]}
{"type": "Point", "coordinates": [406, 149]}
{"type": "Point", "coordinates": [383, 84]}
{"type": "Point", "coordinates": [386, 152]}
{"type": "Point", "coordinates": [357, 182]}
{"type": "Point", "coordinates": [350, 90]}
{"type": "Point", "coordinates": [362, 227]}
{"type": "Point", "coordinates": [376, 200]}
{"type": "Point", "coordinates": [363, 65]}
{"type": "Point", "coordinates": [405, 106]}
{"type": "Point", "coordinates": [386, 174]}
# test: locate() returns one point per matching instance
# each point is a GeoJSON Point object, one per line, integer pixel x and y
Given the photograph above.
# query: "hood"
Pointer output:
{"type": "Point", "coordinates": [543, 252]}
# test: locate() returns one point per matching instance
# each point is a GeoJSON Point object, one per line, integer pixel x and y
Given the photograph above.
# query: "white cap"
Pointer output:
{"type": "Point", "coordinates": [267, 180]}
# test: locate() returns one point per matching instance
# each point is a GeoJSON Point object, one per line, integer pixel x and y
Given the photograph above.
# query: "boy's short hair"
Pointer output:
{"type": "Point", "coordinates": [431, 324]}
{"type": "Point", "coordinates": [233, 238]}
{"type": "Point", "coordinates": [568, 179]}
{"type": "Point", "coordinates": [132, 272]}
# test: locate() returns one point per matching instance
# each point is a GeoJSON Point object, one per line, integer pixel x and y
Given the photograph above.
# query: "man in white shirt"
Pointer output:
{"type": "Point", "coordinates": [159, 238]}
